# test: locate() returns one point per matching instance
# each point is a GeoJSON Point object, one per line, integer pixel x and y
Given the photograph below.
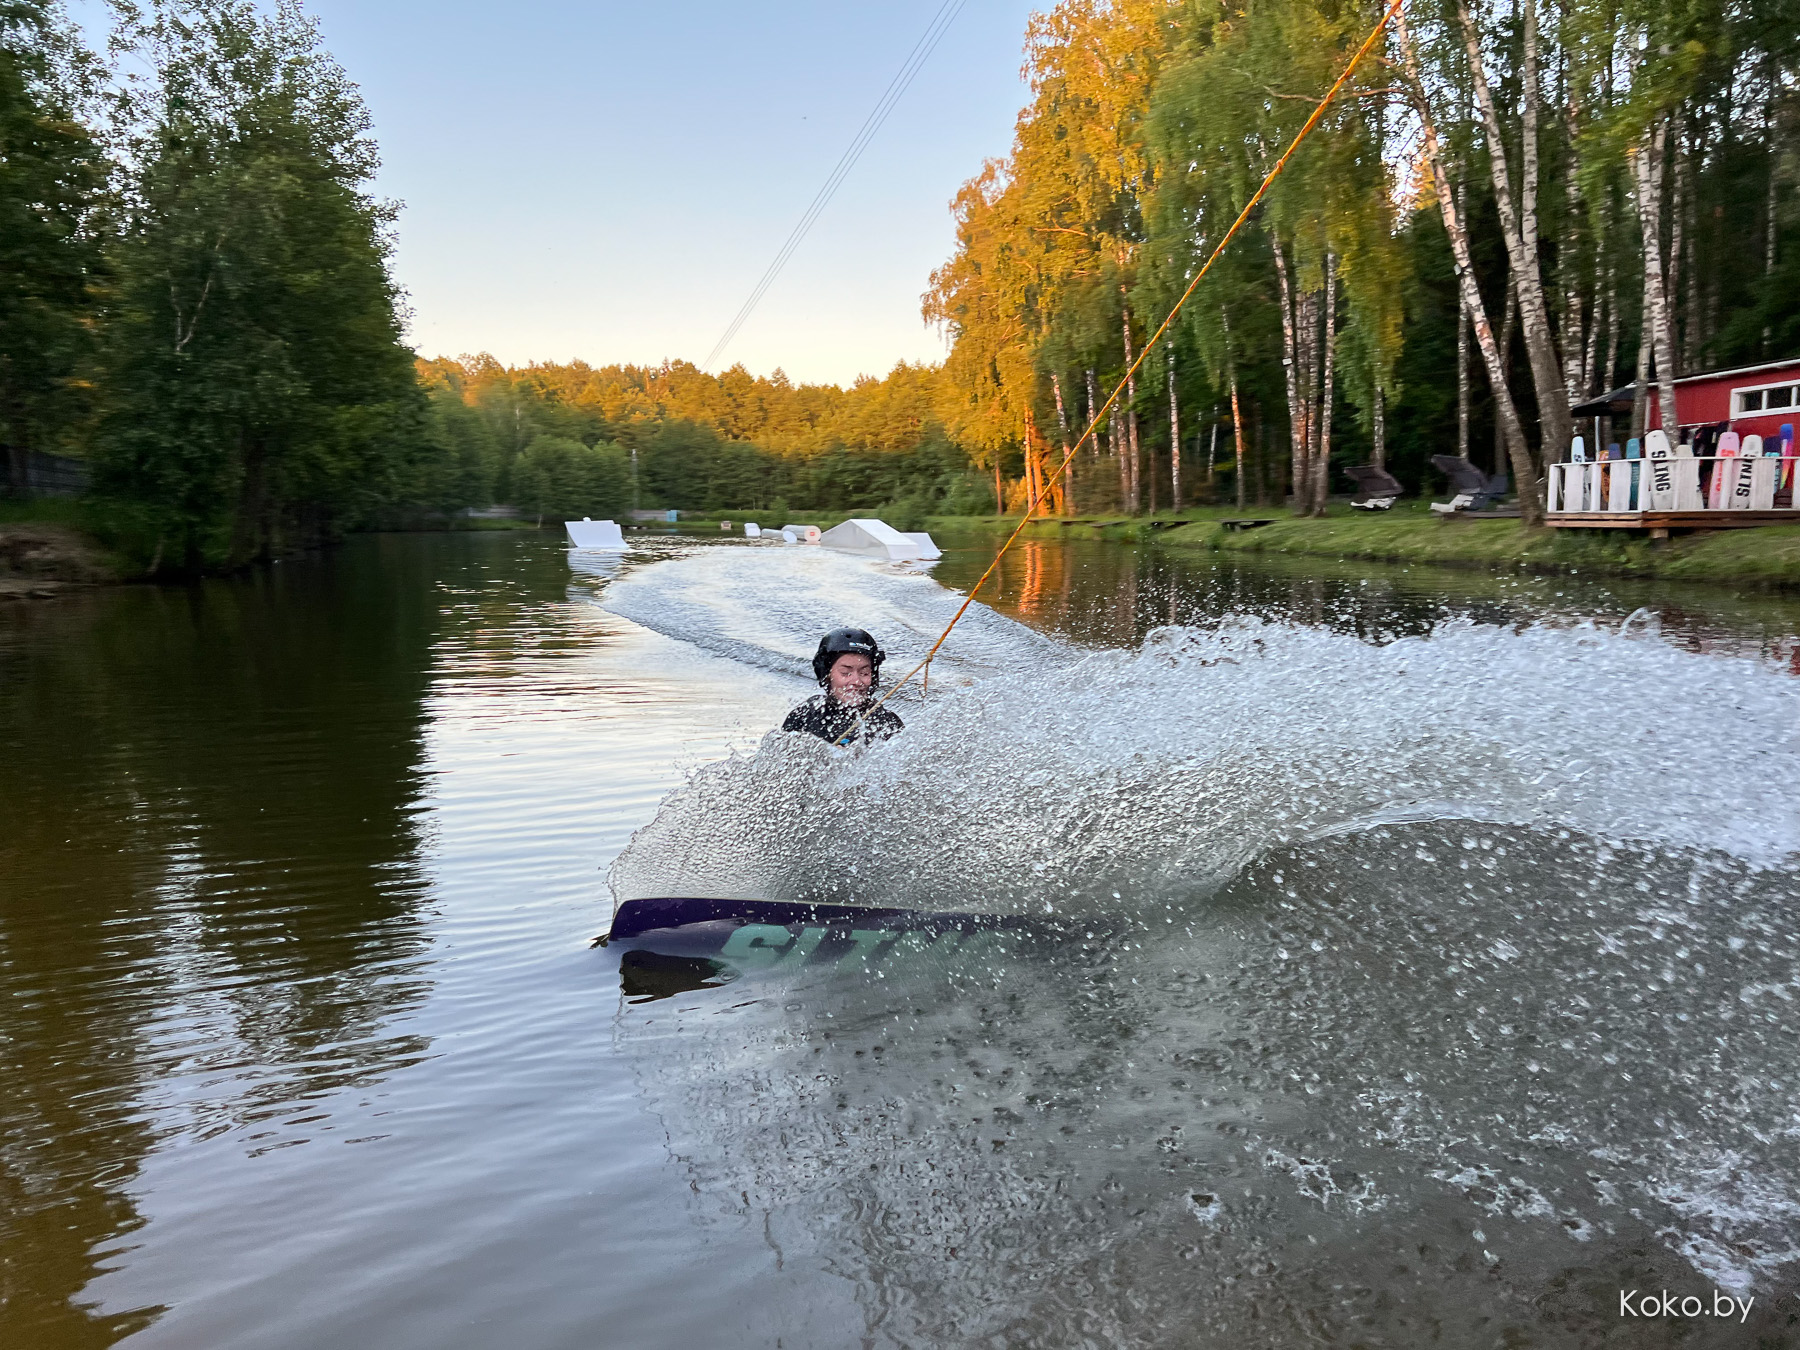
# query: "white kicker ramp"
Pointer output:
{"type": "Point", "coordinates": [589, 533]}
{"type": "Point", "coordinates": [877, 539]}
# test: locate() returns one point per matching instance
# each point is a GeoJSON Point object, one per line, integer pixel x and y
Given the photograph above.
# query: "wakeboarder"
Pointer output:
{"type": "Point", "coordinates": [848, 665]}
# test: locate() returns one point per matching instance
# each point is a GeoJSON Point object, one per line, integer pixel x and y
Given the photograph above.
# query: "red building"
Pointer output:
{"type": "Point", "coordinates": [1755, 399]}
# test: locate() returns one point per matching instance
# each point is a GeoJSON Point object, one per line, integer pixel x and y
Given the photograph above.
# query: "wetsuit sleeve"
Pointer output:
{"type": "Point", "coordinates": [796, 720]}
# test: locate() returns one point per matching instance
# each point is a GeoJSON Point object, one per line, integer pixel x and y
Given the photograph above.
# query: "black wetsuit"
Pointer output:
{"type": "Point", "coordinates": [829, 720]}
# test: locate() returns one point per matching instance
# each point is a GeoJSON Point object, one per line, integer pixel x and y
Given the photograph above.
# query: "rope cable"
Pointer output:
{"type": "Point", "coordinates": [1105, 408]}
{"type": "Point", "coordinates": [890, 98]}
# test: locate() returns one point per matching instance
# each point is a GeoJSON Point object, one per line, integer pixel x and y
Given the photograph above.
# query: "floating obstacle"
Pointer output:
{"type": "Point", "coordinates": [868, 538]}
{"type": "Point", "coordinates": [590, 533]}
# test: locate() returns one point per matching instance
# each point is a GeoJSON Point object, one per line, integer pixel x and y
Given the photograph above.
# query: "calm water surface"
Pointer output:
{"type": "Point", "coordinates": [1418, 963]}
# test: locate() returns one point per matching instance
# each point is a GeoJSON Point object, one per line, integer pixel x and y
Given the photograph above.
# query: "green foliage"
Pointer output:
{"type": "Point", "coordinates": [51, 267]}
{"type": "Point", "coordinates": [207, 310]}
{"type": "Point", "coordinates": [462, 462]}
{"type": "Point", "coordinates": [718, 444]}
{"type": "Point", "coordinates": [966, 494]}
{"type": "Point", "coordinates": [561, 479]}
{"type": "Point", "coordinates": [908, 512]}
{"type": "Point", "coordinates": [258, 393]}
{"type": "Point", "coordinates": [1151, 122]}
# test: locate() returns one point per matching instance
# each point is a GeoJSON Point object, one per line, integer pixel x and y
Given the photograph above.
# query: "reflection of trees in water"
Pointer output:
{"type": "Point", "coordinates": [1111, 593]}
{"type": "Point", "coordinates": [212, 891]}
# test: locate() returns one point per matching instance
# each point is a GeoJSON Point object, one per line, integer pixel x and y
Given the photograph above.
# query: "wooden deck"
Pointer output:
{"type": "Point", "coordinates": [1664, 521]}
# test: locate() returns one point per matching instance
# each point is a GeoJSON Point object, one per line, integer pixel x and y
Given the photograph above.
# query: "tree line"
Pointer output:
{"type": "Point", "coordinates": [572, 439]}
{"type": "Point", "coordinates": [196, 297]}
{"type": "Point", "coordinates": [1512, 208]}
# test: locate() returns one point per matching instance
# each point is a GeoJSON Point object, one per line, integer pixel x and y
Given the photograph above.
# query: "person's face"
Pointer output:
{"type": "Point", "coordinates": [851, 678]}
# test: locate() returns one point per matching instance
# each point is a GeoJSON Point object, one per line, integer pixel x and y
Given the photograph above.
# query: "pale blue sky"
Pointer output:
{"type": "Point", "coordinates": [608, 181]}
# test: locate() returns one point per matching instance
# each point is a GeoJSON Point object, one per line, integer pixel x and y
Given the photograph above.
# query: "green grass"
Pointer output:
{"type": "Point", "coordinates": [105, 550]}
{"type": "Point", "coordinates": [1767, 557]}
{"type": "Point", "coordinates": [44, 511]}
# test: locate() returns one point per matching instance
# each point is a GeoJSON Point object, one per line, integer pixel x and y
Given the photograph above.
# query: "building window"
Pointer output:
{"type": "Point", "coordinates": [1768, 398]}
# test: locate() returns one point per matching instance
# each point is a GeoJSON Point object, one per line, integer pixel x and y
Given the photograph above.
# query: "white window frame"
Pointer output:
{"type": "Point", "coordinates": [1737, 394]}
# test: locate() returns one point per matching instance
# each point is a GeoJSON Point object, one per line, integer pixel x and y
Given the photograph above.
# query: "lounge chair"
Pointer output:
{"type": "Point", "coordinates": [1376, 489]}
{"type": "Point", "coordinates": [1471, 487]}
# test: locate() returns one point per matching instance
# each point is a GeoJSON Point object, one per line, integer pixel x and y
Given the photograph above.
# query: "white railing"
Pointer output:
{"type": "Point", "coordinates": [1677, 483]}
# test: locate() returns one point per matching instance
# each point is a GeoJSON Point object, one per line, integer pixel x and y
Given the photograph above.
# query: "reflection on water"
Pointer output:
{"type": "Point", "coordinates": [209, 914]}
{"type": "Point", "coordinates": [1111, 595]}
{"type": "Point", "coordinates": [305, 1043]}
{"type": "Point", "coordinates": [646, 976]}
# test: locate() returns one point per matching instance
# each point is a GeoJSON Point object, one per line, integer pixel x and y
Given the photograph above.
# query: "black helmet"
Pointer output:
{"type": "Point", "coordinates": [842, 642]}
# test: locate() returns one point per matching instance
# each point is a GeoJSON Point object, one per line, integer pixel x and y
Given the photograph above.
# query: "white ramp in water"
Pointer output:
{"type": "Point", "coordinates": [589, 533]}
{"type": "Point", "coordinates": [869, 538]}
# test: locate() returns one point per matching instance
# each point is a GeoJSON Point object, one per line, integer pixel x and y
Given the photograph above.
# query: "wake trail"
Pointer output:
{"type": "Point", "coordinates": [768, 605]}
{"type": "Point", "coordinates": [1159, 773]}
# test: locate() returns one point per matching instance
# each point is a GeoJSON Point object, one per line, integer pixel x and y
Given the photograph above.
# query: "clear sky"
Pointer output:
{"type": "Point", "coordinates": [609, 180]}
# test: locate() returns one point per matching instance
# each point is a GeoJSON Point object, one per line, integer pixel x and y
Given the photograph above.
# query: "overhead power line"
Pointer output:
{"type": "Point", "coordinates": [897, 87]}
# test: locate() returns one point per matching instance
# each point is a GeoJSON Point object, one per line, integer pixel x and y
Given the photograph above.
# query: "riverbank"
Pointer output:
{"type": "Point", "coordinates": [1764, 558]}
{"type": "Point", "coordinates": [47, 550]}
{"type": "Point", "coordinates": [50, 546]}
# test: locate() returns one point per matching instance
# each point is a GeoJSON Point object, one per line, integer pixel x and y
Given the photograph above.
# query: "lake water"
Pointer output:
{"type": "Point", "coordinates": [1407, 957]}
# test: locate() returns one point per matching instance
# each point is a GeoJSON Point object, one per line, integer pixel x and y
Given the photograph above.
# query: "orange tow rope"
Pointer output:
{"type": "Point", "coordinates": [1280, 164]}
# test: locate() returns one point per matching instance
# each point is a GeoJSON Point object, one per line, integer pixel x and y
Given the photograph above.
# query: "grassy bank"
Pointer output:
{"type": "Point", "coordinates": [1767, 558]}
{"type": "Point", "coordinates": [49, 546]}
{"type": "Point", "coordinates": [58, 540]}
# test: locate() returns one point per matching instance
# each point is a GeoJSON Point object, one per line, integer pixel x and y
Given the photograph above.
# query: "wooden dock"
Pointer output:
{"type": "Point", "coordinates": [1660, 523]}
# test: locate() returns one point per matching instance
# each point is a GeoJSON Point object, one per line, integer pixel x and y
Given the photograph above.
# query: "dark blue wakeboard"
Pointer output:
{"type": "Point", "coordinates": [637, 917]}
{"type": "Point", "coordinates": [678, 944]}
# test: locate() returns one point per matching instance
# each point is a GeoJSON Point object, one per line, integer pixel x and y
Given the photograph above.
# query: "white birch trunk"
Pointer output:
{"type": "Point", "coordinates": [1462, 357]}
{"type": "Point", "coordinates": [1677, 222]}
{"type": "Point", "coordinates": [1378, 451]}
{"type": "Point", "coordinates": [1506, 332]}
{"type": "Point", "coordinates": [1646, 164]}
{"type": "Point", "coordinates": [1577, 345]}
{"type": "Point", "coordinates": [1093, 395]}
{"type": "Point", "coordinates": [1068, 460]}
{"type": "Point", "coordinates": [1290, 363]}
{"type": "Point", "coordinates": [1174, 437]}
{"type": "Point", "coordinates": [1131, 428]}
{"type": "Point", "coordinates": [1771, 236]}
{"type": "Point", "coordinates": [1522, 247]}
{"type": "Point", "coordinates": [1530, 487]}
{"type": "Point", "coordinates": [1321, 478]}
